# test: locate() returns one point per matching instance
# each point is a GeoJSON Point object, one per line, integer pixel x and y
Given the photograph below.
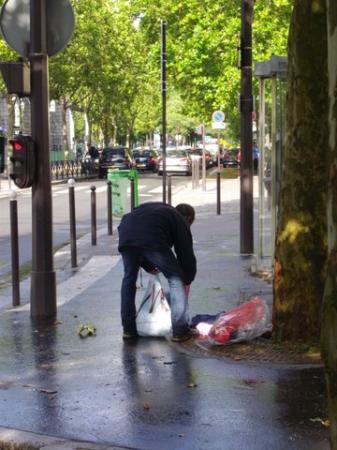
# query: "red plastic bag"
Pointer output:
{"type": "Point", "coordinates": [247, 321]}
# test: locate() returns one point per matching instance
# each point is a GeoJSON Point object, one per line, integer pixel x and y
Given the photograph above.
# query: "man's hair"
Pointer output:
{"type": "Point", "coordinates": [187, 211]}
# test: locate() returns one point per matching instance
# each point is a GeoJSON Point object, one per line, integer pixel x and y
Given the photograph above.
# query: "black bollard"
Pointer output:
{"type": "Point", "coordinates": [132, 194]}
{"type": "Point", "coordinates": [93, 216]}
{"type": "Point", "coordinates": [15, 251]}
{"type": "Point", "coordinates": [109, 202]}
{"type": "Point", "coordinates": [169, 189]}
{"type": "Point", "coordinates": [218, 193]}
{"type": "Point", "coordinates": [72, 217]}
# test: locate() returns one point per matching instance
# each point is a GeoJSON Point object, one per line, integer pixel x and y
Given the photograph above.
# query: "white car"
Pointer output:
{"type": "Point", "coordinates": [177, 161]}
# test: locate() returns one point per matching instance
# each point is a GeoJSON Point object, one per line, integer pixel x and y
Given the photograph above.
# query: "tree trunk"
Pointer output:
{"type": "Point", "coordinates": [329, 315]}
{"type": "Point", "coordinates": [300, 248]}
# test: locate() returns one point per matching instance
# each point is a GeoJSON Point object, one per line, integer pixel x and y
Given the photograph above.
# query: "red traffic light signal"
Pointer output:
{"type": "Point", "coordinates": [17, 145]}
{"type": "Point", "coordinates": [23, 161]}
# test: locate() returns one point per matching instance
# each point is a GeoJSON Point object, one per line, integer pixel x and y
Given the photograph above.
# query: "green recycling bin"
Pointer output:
{"type": "Point", "coordinates": [120, 186]}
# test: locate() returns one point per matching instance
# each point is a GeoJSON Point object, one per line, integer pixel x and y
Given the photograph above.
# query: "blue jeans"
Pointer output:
{"type": "Point", "coordinates": [165, 262]}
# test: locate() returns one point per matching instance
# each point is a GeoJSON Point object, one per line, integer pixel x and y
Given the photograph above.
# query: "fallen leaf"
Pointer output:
{"type": "Point", "coordinates": [192, 385]}
{"type": "Point", "coordinates": [86, 330]}
{"type": "Point", "coordinates": [146, 406]}
{"type": "Point", "coordinates": [57, 322]}
{"type": "Point", "coordinates": [181, 434]}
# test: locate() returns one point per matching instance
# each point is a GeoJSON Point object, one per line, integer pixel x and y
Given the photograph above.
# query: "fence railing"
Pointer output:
{"type": "Point", "coordinates": [61, 170]}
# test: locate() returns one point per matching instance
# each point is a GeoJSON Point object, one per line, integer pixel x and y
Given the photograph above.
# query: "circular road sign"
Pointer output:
{"type": "Point", "coordinates": [15, 25]}
{"type": "Point", "coordinates": [218, 116]}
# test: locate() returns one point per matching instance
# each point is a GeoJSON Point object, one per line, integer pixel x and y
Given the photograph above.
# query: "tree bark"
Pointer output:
{"type": "Point", "coordinates": [300, 247]}
{"type": "Point", "coordinates": [329, 314]}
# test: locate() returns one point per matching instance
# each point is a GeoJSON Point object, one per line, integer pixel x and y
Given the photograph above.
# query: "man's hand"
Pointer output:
{"type": "Point", "coordinates": [187, 289]}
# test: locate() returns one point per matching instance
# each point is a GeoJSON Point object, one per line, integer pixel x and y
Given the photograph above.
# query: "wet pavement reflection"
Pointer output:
{"type": "Point", "coordinates": [148, 394]}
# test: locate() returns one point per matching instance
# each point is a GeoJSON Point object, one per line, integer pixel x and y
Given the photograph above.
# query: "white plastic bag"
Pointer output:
{"type": "Point", "coordinates": [153, 317]}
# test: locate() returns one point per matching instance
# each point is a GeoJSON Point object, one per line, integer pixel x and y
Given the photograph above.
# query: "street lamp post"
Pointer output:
{"type": "Point", "coordinates": [43, 280]}
{"type": "Point", "coordinates": [163, 94]}
{"type": "Point", "coordinates": [246, 109]}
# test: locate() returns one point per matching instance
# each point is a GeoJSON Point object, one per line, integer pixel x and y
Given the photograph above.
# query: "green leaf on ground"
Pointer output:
{"type": "Point", "coordinates": [86, 330]}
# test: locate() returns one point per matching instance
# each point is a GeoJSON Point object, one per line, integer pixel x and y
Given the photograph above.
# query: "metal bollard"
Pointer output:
{"type": "Point", "coordinates": [109, 202]}
{"type": "Point", "coordinates": [15, 250]}
{"type": "Point", "coordinates": [72, 218]}
{"type": "Point", "coordinates": [218, 193]}
{"type": "Point", "coordinates": [93, 216]}
{"type": "Point", "coordinates": [169, 189]}
{"type": "Point", "coordinates": [132, 194]}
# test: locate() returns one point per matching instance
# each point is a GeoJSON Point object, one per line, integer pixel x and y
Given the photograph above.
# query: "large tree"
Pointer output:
{"type": "Point", "coordinates": [329, 322]}
{"type": "Point", "coordinates": [301, 236]}
{"type": "Point", "coordinates": [202, 42]}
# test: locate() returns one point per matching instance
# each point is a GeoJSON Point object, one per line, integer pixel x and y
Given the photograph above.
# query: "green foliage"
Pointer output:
{"type": "Point", "coordinates": [111, 68]}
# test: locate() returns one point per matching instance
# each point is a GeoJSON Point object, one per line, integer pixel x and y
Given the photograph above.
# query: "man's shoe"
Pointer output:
{"type": "Point", "coordinates": [129, 335]}
{"type": "Point", "coordinates": [182, 337]}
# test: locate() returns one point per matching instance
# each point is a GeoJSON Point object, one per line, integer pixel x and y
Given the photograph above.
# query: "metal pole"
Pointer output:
{"type": "Point", "coordinates": [218, 141]}
{"type": "Point", "coordinates": [109, 202]}
{"type": "Point", "coordinates": [13, 207]}
{"type": "Point", "coordinates": [72, 217]}
{"type": "Point", "coordinates": [132, 194]}
{"type": "Point", "coordinates": [273, 162]}
{"type": "Point", "coordinates": [43, 279]}
{"type": "Point", "coordinates": [246, 109]}
{"type": "Point", "coordinates": [163, 96]}
{"type": "Point", "coordinates": [203, 159]}
{"type": "Point", "coordinates": [218, 193]}
{"type": "Point", "coordinates": [169, 189]}
{"type": "Point", "coordinates": [262, 119]}
{"type": "Point", "coordinates": [93, 216]}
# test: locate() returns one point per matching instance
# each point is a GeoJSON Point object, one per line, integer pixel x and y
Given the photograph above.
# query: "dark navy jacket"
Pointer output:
{"type": "Point", "coordinates": [156, 226]}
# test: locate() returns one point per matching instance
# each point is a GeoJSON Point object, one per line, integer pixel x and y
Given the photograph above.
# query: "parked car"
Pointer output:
{"type": "Point", "coordinates": [231, 157]}
{"type": "Point", "coordinates": [114, 158]}
{"type": "Point", "coordinates": [177, 161]}
{"type": "Point", "coordinates": [145, 159]}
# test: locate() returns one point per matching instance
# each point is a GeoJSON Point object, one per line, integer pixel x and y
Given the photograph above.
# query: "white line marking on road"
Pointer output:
{"type": "Point", "coordinates": [96, 268]}
{"type": "Point", "coordinates": [156, 190]}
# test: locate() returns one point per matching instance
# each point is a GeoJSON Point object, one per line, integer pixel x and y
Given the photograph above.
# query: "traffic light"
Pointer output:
{"type": "Point", "coordinates": [2, 153]}
{"type": "Point", "coordinates": [23, 161]}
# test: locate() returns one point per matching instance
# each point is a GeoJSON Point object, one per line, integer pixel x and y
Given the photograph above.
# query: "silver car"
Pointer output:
{"type": "Point", "coordinates": [177, 161]}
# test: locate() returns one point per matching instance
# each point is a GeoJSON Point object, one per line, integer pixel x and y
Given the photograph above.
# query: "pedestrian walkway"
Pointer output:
{"type": "Point", "coordinates": [59, 390]}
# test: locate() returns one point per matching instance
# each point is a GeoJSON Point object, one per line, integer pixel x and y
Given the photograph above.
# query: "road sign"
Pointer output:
{"type": "Point", "coordinates": [218, 125]}
{"type": "Point", "coordinates": [15, 25]}
{"type": "Point", "coordinates": [218, 116]}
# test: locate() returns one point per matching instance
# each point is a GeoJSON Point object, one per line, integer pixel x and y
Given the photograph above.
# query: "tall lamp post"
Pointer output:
{"type": "Point", "coordinates": [246, 109]}
{"type": "Point", "coordinates": [163, 95]}
{"type": "Point", "coordinates": [43, 279]}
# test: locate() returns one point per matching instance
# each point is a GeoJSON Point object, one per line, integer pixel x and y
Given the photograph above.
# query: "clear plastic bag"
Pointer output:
{"type": "Point", "coordinates": [153, 317]}
{"type": "Point", "coordinates": [246, 322]}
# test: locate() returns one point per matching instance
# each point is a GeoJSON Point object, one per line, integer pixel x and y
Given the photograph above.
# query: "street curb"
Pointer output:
{"type": "Point", "coordinates": [12, 439]}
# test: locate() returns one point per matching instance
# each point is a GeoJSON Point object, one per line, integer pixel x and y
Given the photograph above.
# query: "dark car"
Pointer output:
{"type": "Point", "coordinates": [114, 158]}
{"type": "Point", "coordinates": [145, 159]}
{"type": "Point", "coordinates": [231, 157]}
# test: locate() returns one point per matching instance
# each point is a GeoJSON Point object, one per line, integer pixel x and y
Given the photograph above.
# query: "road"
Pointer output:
{"type": "Point", "coordinates": [150, 189]}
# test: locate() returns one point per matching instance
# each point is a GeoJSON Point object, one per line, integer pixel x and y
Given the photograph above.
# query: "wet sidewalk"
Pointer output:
{"type": "Point", "coordinates": [151, 394]}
